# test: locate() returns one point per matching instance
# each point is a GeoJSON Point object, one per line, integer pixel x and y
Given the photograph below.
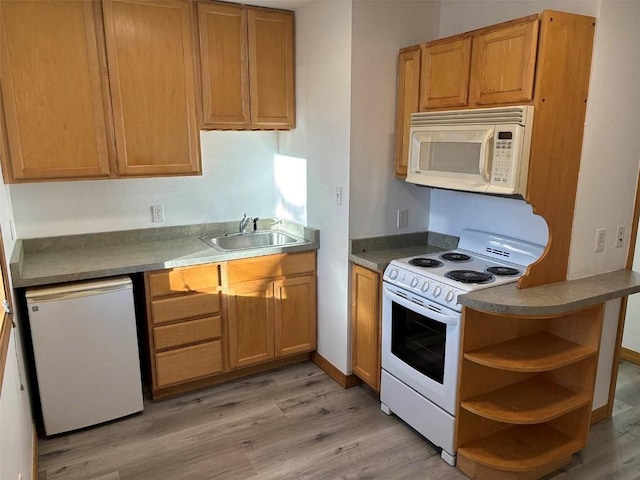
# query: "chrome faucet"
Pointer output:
{"type": "Point", "coordinates": [243, 223]}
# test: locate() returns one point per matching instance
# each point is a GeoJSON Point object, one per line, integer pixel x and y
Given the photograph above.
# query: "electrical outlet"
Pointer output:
{"type": "Point", "coordinates": [403, 218]}
{"type": "Point", "coordinates": [620, 232]}
{"type": "Point", "coordinates": [601, 236]}
{"type": "Point", "coordinates": [157, 215]}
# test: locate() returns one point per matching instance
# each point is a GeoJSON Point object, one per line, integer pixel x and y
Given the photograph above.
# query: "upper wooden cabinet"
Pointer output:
{"type": "Point", "coordinates": [491, 66]}
{"type": "Point", "coordinates": [503, 63]}
{"type": "Point", "coordinates": [56, 104]}
{"type": "Point", "coordinates": [98, 90]}
{"type": "Point", "coordinates": [407, 103]}
{"type": "Point", "coordinates": [247, 67]}
{"type": "Point", "coordinates": [152, 76]}
{"type": "Point", "coordinates": [445, 73]}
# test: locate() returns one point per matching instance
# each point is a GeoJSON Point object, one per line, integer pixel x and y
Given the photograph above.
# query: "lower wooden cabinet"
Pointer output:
{"type": "Point", "coordinates": [366, 325]}
{"type": "Point", "coordinates": [271, 308]}
{"type": "Point", "coordinates": [526, 392]}
{"type": "Point", "coordinates": [203, 330]}
{"type": "Point", "coordinates": [184, 320]}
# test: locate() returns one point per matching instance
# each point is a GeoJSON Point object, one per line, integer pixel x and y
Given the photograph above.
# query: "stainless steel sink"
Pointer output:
{"type": "Point", "coordinates": [263, 239]}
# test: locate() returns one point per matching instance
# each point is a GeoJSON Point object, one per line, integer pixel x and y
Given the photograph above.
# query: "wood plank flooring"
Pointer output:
{"type": "Point", "coordinates": [297, 423]}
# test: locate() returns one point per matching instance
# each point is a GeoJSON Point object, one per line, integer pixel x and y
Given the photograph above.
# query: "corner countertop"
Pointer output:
{"type": "Point", "coordinates": [375, 253]}
{"type": "Point", "coordinates": [554, 298]}
{"type": "Point", "coordinates": [51, 260]}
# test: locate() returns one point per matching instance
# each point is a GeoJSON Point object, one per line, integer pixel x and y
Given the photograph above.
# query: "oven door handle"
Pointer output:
{"type": "Point", "coordinates": [425, 312]}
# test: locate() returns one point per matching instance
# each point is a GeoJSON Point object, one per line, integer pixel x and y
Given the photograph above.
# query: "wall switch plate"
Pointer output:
{"type": "Point", "coordinates": [403, 218]}
{"type": "Point", "coordinates": [601, 236]}
{"type": "Point", "coordinates": [157, 214]}
{"type": "Point", "coordinates": [620, 233]}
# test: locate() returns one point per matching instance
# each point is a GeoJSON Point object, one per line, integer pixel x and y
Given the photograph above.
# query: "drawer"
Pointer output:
{"type": "Point", "coordinates": [185, 333]}
{"type": "Point", "coordinates": [188, 363]}
{"type": "Point", "coordinates": [185, 306]}
{"type": "Point", "coordinates": [184, 279]}
{"type": "Point", "coordinates": [271, 266]}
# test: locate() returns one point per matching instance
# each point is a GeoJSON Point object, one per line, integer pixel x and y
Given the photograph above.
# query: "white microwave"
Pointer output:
{"type": "Point", "coordinates": [477, 150]}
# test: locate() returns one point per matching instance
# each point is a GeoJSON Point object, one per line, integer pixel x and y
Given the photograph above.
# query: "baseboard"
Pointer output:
{"type": "Point", "coordinates": [344, 380]}
{"type": "Point", "coordinates": [600, 414]}
{"type": "Point", "coordinates": [630, 355]}
{"type": "Point", "coordinates": [34, 452]}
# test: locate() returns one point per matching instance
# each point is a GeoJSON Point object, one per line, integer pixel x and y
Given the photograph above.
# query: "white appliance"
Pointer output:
{"type": "Point", "coordinates": [86, 352]}
{"type": "Point", "coordinates": [421, 326]}
{"type": "Point", "coordinates": [475, 150]}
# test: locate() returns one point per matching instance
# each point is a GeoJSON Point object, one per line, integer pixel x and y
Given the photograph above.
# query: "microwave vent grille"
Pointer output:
{"type": "Point", "coordinates": [492, 116]}
{"type": "Point", "coordinates": [498, 252]}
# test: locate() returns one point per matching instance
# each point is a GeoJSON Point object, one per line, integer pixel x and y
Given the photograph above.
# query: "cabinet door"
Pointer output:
{"type": "Point", "coordinates": [53, 91]}
{"type": "Point", "coordinates": [444, 80]}
{"type": "Point", "coordinates": [407, 102]}
{"type": "Point", "coordinates": [295, 315]}
{"type": "Point", "coordinates": [365, 325]}
{"type": "Point", "coordinates": [503, 64]}
{"type": "Point", "coordinates": [250, 314]}
{"type": "Point", "coordinates": [151, 70]}
{"type": "Point", "coordinates": [224, 65]}
{"type": "Point", "coordinates": [271, 72]}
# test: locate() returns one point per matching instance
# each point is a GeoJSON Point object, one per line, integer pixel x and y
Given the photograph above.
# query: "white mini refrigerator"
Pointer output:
{"type": "Point", "coordinates": [86, 352]}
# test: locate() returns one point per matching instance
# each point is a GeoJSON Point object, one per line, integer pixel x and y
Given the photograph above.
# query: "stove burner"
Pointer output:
{"type": "Point", "coordinates": [425, 262]}
{"type": "Point", "coordinates": [455, 257]}
{"type": "Point", "coordinates": [469, 276]}
{"type": "Point", "coordinates": [503, 271]}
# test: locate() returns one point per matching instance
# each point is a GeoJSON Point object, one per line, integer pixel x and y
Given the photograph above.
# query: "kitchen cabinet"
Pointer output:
{"type": "Point", "coordinates": [98, 90]}
{"type": "Point", "coordinates": [407, 100]}
{"type": "Point", "coordinates": [541, 60]}
{"type": "Point", "coordinates": [151, 58]}
{"type": "Point", "coordinates": [490, 66]}
{"type": "Point", "coordinates": [54, 97]}
{"type": "Point", "coordinates": [366, 325]}
{"type": "Point", "coordinates": [526, 391]}
{"type": "Point", "coordinates": [185, 325]}
{"type": "Point", "coordinates": [271, 305]}
{"type": "Point", "coordinates": [247, 67]}
{"type": "Point", "coordinates": [444, 77]}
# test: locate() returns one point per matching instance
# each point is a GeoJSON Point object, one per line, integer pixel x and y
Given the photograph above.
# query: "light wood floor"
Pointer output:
{"type": "Point", "coordinates": [296, 423]}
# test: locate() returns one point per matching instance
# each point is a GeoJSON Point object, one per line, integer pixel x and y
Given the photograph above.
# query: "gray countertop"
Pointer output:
{"type": "Point", "coordinates": [79, 257]}
{"type": "Point", "coordinates": [554, 298]}
{"type": "Point", "coordinates": [375, 253]}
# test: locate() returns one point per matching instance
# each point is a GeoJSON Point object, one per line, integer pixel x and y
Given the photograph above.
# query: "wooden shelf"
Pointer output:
{"type": "Point", "coordinates": [539, 352]}
{"type": "Point", "coordinates": [532, 401]}
{"type": "Point", "coordinates": [521, 448]}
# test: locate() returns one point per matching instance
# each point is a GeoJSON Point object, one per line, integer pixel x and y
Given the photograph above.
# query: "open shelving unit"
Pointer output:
{"type": "Point", "coordinates": [526, 390]}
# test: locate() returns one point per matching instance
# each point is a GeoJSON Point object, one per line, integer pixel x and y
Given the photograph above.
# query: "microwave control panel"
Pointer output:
{"type": "Point", "coordinates": [503, 154]}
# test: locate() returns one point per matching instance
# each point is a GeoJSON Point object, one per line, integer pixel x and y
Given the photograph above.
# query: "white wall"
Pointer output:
{"type": "Point", "coordinates": [238, 177]}
{"type": "Point", "coordinates": [16, 423]}
{"type": "Point", "coordinates": [380, 29]}
{"type": "Point", "coordinates": [605, 197]}
{"type": "Point", "coordinates": [451, 212]}
{"type": "Point", "coordinates": [322, 137]}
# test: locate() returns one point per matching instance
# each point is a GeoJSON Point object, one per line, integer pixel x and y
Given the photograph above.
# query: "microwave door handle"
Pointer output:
{"type": "Point", "coordinates": [486, 153]}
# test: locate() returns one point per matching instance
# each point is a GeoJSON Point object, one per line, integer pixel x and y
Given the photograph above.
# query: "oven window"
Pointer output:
{"type": "Point", "coordinates": [418, 341]}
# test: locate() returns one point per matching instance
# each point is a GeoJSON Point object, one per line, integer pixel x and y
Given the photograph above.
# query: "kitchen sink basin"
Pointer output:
{"type": "Point", "coordinates": [239, 241]}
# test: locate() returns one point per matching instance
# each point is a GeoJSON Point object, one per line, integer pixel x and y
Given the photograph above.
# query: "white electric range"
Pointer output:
{"type": "Point", "coordinates": [421, 326]}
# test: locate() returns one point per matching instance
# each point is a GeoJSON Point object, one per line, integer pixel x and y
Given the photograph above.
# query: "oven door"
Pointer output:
{"type": "Point", "coordinates": [421, 345]}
